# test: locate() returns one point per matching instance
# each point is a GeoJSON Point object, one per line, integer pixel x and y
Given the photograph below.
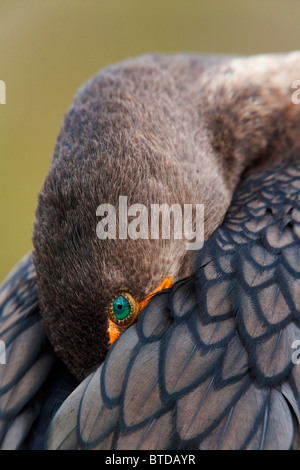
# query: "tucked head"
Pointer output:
{"type": "Point", "coordinates": [157, 130]}
{"type": "Point", "coordinates": [86, 282]}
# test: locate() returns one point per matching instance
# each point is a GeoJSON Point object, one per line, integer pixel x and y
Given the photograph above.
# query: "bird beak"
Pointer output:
{"type": "Point", "coordinates": [165, 284]}
{"type": "Point", "coordinates": [114, 330]}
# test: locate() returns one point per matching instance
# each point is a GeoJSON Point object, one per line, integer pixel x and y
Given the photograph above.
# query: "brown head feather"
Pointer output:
{"type": "Point", "coordinates": [157, 129]}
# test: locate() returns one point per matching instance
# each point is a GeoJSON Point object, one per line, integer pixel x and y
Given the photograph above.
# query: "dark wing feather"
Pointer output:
{"type": "Point", "coordinates": [28, 356]}
{"type": "Point", "coordinates": [209, 363]}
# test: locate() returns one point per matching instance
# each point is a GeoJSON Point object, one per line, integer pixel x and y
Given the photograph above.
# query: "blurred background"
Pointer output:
{"type": "Point", "coordinates": [49, 48]}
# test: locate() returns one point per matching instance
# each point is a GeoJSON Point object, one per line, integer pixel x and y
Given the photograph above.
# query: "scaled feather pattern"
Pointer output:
{"type": "Point", "coordinates": [209, 363]}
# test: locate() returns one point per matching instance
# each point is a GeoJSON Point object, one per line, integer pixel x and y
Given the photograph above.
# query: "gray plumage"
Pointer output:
{"type": "Point", "coordinates": [209, 363]}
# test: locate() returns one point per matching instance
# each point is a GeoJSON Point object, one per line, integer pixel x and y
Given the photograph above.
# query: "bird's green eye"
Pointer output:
{"type": "Point", "coordinates": [123, 309]}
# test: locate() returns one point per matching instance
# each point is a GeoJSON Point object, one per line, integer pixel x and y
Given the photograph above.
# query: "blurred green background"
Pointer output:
{"type": "Point", "coordinates": [49, 48]}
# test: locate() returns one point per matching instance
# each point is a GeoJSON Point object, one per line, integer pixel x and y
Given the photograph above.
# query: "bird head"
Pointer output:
{"type": "Point", "coordinates": [91, 288]}
{"type": "Point", "coordinates": [155, 130]}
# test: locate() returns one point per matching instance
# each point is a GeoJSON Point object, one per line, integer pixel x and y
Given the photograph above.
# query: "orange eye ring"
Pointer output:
{"type": "Point", "coordinates": [123, 309]}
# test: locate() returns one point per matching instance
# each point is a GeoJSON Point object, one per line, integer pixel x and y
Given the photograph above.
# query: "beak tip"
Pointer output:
{"type": "Point", "coordinates": [165, 284]}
